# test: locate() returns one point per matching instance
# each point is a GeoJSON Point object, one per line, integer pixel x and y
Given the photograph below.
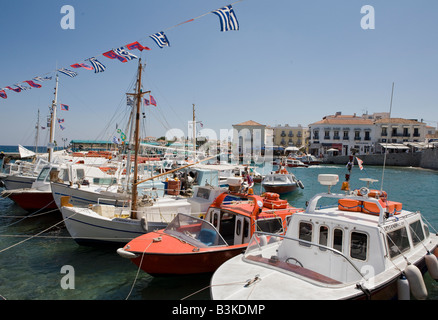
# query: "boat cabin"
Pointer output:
{"type": "Point", "coordinates": [238, 216]}
{"type": "Point", "coordinates": [349, 237]}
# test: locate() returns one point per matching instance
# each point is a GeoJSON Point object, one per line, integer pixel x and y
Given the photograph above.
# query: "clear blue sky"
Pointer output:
{"type": "Point", "coordinates": [291, 62]}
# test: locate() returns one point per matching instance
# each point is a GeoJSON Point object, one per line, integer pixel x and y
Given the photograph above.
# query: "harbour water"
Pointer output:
{"type": "Point", "coordinates": [31, 268]}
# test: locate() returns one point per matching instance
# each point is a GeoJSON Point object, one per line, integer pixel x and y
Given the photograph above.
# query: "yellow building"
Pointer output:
{"type": "Point", "coordinates": [287, 136]}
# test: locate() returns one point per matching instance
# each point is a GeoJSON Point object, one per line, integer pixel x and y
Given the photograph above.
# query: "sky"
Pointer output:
{"type": "Point", "coordinates": [290, 62]}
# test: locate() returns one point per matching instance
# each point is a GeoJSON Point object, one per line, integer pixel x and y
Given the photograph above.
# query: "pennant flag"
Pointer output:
{"type": "Point", "coordinates": [62, 128]}
{"type": "Point", "coordinates": [160, 39]}
{"type": "Point", "coordinates": [129, 101]}
{"type": "Point", "coordinates": [136, 45]}
{"type": "Point", "coordinates": [97, 65]}
{"type": "Point", "coordinates": [122, 52]}
{"type": "Point", "coordinates": [21, 87]}
{"type": "Point", "coordinates": [3, 94]}
{"type": "Point", "coordinates": [60, 120]}
{"type": "Point", "coordinates": [153, 102]}
{"type": "Point", "coordinates": [43, 128]}
{"type": "Point", "coordinates": [33, 84]}
{"type": "Point", "coordinates": [14, 89]}
{"type": "Point", "coordinates": [65, 107]}
{"type": "Point", "coordinates": [227, 18]}
{"type": "Point", "coordinates": [359, 162]}
{"type": "Point", "coordinates": [146, 102]}
{"type": "Point", "coordinates": [81, 65]}
{"type": "Point", "coordinates": [112, 55]}
{"type": "Point", "coordinates": [116, 140]}
{"type": "Point", "coordinates": [68, 72]}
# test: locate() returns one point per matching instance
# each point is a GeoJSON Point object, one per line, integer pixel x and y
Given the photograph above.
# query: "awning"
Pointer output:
{"type": "Point", "coordinates": [393, 146]}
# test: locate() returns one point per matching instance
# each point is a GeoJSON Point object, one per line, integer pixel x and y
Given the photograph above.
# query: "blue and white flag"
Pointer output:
{"type": "Point", "coordinates": [227, 18]}
{"type": "Point", "coordinates": [68, 72]}
{"type": "Point", "coordinates": [40, 79]}
{"type": "Point", "coordinates": [97, 65]}
{"type": "Point", "coordinates": [122, 52]}
{"type": "Point", "coordinates": [160, 39]}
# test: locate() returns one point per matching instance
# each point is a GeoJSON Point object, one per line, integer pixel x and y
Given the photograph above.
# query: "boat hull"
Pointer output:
{"type": "Point", "coordinates": [280, 189]}
{"type": "Point", "coordinates": [87, 227]}
{"type": "Point", "coordinates": [13, 182]}
{"type": "Point", "coordinates": [32, 201]}
{"type": "Point", "coordinates": [185, 263]}
{"type": "Point", "coordinates": [83, 198]}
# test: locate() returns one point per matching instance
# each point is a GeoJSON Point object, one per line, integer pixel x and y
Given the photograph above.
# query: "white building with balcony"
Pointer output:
{"type": "Point", "coordinates": [345, 133]}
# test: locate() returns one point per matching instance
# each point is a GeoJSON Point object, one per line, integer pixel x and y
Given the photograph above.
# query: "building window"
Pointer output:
{"type": "Point", "coordinates": [406, 132]}
{"type": "Point", "coordinates": [336, 135]}
{"type": "Point", "coordinates": [327, 134]}
{"type": "Point", "coordinates": [356, 135]}
{"type": "Point", "coordinates": [416, 133]}
{"type": "Point", "coordinates": [367, 135]}
{"type": "Point", "coordinates": [346, 135]}
{"type": "Point", "coordinates": [384, 132]}
{"type": "Point", "coordinates": [316, 134]}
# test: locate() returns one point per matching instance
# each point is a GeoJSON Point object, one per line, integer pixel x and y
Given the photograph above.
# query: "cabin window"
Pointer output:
{"type": "Point", "coordinates": [323, 236]}
{"type": "Point", "coordinates": [80, 174]}
{"type": "Point", "coordinates": [63, 175]}
{"type": "Point", "coordinates": [398, 242]}
{"type": "Point", "coordinates": [238, 227]}
{"type": "Point", "coordinates": [245, 228]}
{"type": "Point", "coordinates": [416, 232]}
{"type": "Point", "coordinates": [270, 225]}
{"type": "Point", "coordinates": [305, 232]}
{"type": "Point", "coordinates": [338, 236]}
{"type": "Point", "coordinates": [359, 245]}
{"type": "Point", "coordinates": [43, 174]}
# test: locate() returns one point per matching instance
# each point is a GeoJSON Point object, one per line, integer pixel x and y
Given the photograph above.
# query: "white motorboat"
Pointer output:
{"type": "Point", "coordinates": [108, 224]}
{"type": "Point", "coordinates": [363, 246]}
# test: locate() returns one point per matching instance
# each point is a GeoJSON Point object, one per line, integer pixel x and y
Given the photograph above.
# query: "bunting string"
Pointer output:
{"type": "Point", "coordinates": [227, 18]}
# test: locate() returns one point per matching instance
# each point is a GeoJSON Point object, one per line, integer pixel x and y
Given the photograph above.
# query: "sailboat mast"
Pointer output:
{"type": "Point", "coordinates": [37, 127]}
{"type": "Point", "coordinates": [138, 95]}
{"type": "Point", "coordinates": [194, 133]}
{"type": "Point", "coordinates": [52, 122]}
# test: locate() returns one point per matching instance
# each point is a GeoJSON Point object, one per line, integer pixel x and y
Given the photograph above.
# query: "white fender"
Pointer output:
{"type": "Point", "coordinates": [144, 223]}
{"type": "Point", "coordinates": [126, 254]}
{"type": "Point", "coordinates": [432, 265]}
{"type": "Point", "coordinates": [416, 282]}
{"type": "Point", "coordinates": [403, 288]}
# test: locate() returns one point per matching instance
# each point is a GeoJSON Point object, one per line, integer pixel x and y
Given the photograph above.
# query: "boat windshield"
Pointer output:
{"type": "Point", "coordinates": [195, 231]}
{"type": "Point", "coordinates": [284, 254]}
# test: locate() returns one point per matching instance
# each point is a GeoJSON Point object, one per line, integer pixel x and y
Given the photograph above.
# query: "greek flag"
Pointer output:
{"type": "Point", "coordinates": [160, 39]}
{"type": "Point", "coordinates": [68, 72]}
{"type": "Point", "coordinates": [227, 18]}
{"type": "Point", "coordinates": [122, 52]}
{"type": "Point", "coordinates": [97, 65]}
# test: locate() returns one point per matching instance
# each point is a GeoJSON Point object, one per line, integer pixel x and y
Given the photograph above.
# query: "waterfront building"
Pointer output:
{"type": "Point", "coordinates": [345, 133]}
{"type": "Point", "coordinates": [287, 136]}
{"type": "Point", "coordinates": [397, 134]}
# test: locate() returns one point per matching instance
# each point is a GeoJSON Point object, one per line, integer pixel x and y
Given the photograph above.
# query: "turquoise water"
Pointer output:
{"type": "Point", "coordinates": [32, 270]}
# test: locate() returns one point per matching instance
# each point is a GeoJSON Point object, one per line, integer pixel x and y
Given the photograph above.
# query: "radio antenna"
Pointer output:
{"type": "Point", "coordinates": [386, 149]}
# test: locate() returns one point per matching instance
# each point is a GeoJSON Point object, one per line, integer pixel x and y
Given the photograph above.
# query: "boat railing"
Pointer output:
{"type": "Point", "coordinates": [266, 249]}
{"type": "Point", "coordinates": [313, 203]}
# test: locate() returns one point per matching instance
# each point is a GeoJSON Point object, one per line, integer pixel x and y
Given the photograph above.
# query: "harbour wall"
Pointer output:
{"type": "Point", "coordinates": [427, 159]}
